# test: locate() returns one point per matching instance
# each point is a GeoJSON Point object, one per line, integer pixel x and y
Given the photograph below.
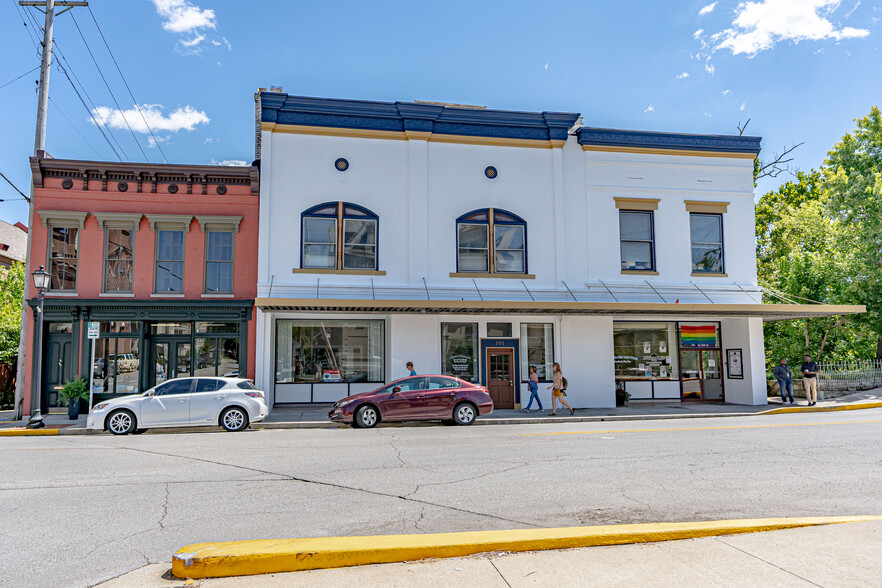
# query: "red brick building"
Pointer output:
{"type": "Point", "coordinates": [163, 256]}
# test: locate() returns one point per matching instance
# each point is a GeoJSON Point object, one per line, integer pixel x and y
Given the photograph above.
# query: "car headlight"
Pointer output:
{"type": "Point", "coordinates": [101, 406]}
{"type": "Point", "coordinates": [343, 403]}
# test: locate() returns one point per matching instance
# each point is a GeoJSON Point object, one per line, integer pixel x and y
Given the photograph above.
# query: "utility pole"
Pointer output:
{"type": "Point", "coordinates": [39, 145]}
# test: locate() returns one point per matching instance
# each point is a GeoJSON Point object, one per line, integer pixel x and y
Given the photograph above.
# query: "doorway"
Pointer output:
{"type": "Point", "coordinates": [172, 358]}
{"type": "Point", "coordinates": [702, 374]}
{"type": "Point", "coordinates": [501, 377]}
{"type": "Point", "coordinates": [58, 366]}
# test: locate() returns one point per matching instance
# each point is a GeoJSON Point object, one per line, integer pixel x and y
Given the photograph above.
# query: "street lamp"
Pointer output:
{"type": "Point", "coordinates": [41, 283]}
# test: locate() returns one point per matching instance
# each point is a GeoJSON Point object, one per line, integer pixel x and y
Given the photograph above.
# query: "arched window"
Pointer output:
{"type": "Point", "coordinates": [491, 241]}
{"type": "Point", "coordinates": [339, 235]}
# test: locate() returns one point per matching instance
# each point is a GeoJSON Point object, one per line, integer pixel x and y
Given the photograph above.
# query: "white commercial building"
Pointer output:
{"type": "Point", "coordinates": [477, 242]}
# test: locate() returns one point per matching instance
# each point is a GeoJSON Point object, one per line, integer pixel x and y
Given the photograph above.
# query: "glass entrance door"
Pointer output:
{"type": "Point", "coordinates": [171, 359]}
{"type": "Point", "coordinates": [702, 374]}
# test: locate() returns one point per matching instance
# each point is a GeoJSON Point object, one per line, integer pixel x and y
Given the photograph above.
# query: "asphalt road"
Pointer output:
{"type": "Point", "coordinates": [78, 510]}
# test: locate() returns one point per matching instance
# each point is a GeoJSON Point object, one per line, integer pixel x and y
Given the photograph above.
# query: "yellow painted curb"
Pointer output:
{"type": "Point", "coordinates": [267, 556]}
{"type": "Point", "coordinates": [23, 432]}
{"type": "Point", "coordinates": [856, 406]}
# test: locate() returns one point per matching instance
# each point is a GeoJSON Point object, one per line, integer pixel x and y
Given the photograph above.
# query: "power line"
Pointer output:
{"type": "Point", "coordinates": [20, 77]}
{"type": "Point", "coordinates": [92, 116]}
{"type": "Point", "coordinates": [21, 14]}
{"type": "Point", "coordinates": [112, 95]}
{"type": "Point", "coordinates": [155, 141]}
{"type": "Point", "coordinates": [58, 108]}
{"type": "Point", "coordinates": [14, 186]}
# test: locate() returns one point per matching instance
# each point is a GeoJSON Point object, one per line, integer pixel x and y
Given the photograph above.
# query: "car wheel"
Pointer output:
{"type": "Point", "coordinates": [121, 422]}
{"type": "Point", "coordinates": [367, 417]}
{"type": "Point", "coordinates": [234, 419]}
{"type": "Point", "coordinates": [464, 413]}
{"type": "Point", "coordinates": [139, 431]}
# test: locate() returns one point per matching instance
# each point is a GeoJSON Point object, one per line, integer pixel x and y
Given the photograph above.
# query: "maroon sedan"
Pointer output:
{"type": "Point", "coordinates": [416, 398]}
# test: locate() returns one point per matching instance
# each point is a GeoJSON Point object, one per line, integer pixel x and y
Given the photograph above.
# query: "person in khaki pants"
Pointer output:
{"type": "Point", "coordinates": [809, 371]}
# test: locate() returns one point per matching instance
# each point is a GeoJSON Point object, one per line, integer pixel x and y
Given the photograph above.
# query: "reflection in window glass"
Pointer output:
{"type": "Point", "coordinates": [121, 327]}
{"type": "Point", "coordinates": [329, 351]}
{"type": "Point", "coordinates": [537, 348]}
{"type": "Point", "coordinates": [63, 258]}
{"type": "Point", "coordinates": [219, 262]}
{"type": "Point", "coordinates": [118, 260]}
{"type": "Point", "coordinates": [228, 358]}
{"type": "Point", "coordinates": [474, 248]}
{"type": "Point", "coordinates": [215, 327]}
{"type": "Point", "coordinates": [498, 330]}
{"type": "Point", "coordinates": [359, 243]}
{"type": "Point", "coordinates": [169, 273]}
{"type": "Point", "coordinates": [645, 350]}
{"type": "Point", "coordinates": [459, 350]}
{"type": "Point", "coordinates": [509, 248]}
{"type": "Point", "coordinates": [117, 365]}
{"type": "Point", "coordinates": [206, 358]}
{"type": "Point", "coordinates": [637, 240]}
{"type": "Point", "coordinates": [170, 328]}
{"type": "Point", "coordinates": [707, 242]}
{"type": "Point", "coordinates": [319, 242]}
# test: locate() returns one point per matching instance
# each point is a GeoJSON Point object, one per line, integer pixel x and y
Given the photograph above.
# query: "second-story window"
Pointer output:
{"type": "Point", "coordinates": [707, 242]}
{"type": "Point", "coordinates": [219, 262]}
{"type": "Point", "coordinates": [63, 258]}
{"type": "Point", "coordinates": [169, 262]}
{"type": "Point", "coordinates": [637, 240]}
{"type": "Point", "coordinates": [119, 248]}
{"type": "Point", "coordinates": [491, 241]}
{"type": "Point", "coordinates": [339, 236]}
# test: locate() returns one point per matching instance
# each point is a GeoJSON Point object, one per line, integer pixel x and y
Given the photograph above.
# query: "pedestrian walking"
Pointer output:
{"type": "Point", "coordinates": [558, 388]}
{"type": "Point", "coordinates": [784, 376]}
{"type": "Point", "coordinates": [533, 386]}
{"type": "Point", "coordinates": [409, 366]}
{"type": "Point", "coordinates": [809, 371]}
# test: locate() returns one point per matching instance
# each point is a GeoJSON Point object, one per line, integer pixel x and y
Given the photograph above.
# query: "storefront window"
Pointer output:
{"type": "Point", "coordinates": [121, 327]}
{"type": "Point", "coordinates": [645, 350]}
{"type": "Point", "coordinates": [117, 364]}
{"type": "Point", "coordinates": [214, 327]}
{"type": "Point", "coordinates": [170, 328]}
{"type": "Point", "coordinates": [459, 350]}
{"type": "Point", "coordinates": [699, 335]}
{"type": "Point", "coordinates": [537, 348]}
{"type": "Point", "coordinates": [217, 357]}
{"type": "Point", "coordinates": [329, 351]}
{"type": "Point", "coordinates": [498, 330]}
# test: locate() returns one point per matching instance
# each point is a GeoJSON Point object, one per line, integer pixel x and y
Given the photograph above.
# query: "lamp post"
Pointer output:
{"type": "Point", "coordinates": [41, 283]}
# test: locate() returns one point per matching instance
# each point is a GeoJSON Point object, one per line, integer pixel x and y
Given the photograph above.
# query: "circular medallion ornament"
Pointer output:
{"type": "Point", "coordinates": [67, 184]}
{"type": "Point", "coordinates": [341, 165]}
{"type": "Point", "coordinates": [491, 172]}
{"type": "Point", "coordinates": [172, 188]}
{"type": "Point", "coordinates": [221, 189]}
{"type": "Point", "coordinates": [122, 186]}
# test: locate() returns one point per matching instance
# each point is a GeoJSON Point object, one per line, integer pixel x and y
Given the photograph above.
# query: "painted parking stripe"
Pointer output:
{"type": "Point", "coordinates": [608, 432]}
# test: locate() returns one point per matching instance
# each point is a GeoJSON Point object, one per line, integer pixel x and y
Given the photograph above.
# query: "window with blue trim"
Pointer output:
{"type": "Point", "coordinates": [491, 241]}
{"type": "Point", "coordinates": [339, 235]}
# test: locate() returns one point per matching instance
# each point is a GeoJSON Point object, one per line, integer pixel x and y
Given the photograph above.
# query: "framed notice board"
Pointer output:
{"type": "Point", "coordinates": [734, 365]}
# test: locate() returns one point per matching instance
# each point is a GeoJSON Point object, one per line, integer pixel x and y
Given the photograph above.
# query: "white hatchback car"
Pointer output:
{"type": "Point", "coordinates": [232, 403]}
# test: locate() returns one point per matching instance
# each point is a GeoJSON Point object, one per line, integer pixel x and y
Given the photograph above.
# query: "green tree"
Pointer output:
{"type": "Point", "coordinates": [11, 295]}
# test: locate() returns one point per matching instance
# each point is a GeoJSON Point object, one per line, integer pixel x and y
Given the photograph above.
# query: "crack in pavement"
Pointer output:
{"type": "Point", "coordinates": [498, 572]}
{"type": "Point", "coordinates": [767, 562]}
{"type": "Point", "coordinates": [469, 479]}
{"type": "Point", "coordinates": [333, 485]}
{"type": "Point", "coordinates": [164, 509]}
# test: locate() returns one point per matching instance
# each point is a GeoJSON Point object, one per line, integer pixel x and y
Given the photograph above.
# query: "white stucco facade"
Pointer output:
{"type": "Point", "coordinates": [565, 189]}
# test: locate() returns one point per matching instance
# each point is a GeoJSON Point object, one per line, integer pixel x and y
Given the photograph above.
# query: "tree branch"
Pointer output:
{"type": "Point", "coordinates": [773, 168]}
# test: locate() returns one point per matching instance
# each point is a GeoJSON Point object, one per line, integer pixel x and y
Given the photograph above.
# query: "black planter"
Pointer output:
{"type": "Point", "coordinates": [621, 397]}
{"type": "Point", "coordinates": [73, 409]}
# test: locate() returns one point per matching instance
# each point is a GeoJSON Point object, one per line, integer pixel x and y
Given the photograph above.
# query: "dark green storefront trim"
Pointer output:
{"type": "Point", "coordinates": [77, 309]}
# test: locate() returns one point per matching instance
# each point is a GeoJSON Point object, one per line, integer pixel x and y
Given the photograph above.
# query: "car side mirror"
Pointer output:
{"type": "Point", "coordinates": [151, 392]}
{"type": "Point", "coordinates": [396, 390]}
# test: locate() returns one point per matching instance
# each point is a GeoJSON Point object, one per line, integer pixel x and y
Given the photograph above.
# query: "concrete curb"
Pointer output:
{"type": "Point", "coordinates": [28, 432]}
{"type": "Point", "coordinates": [856, 406]}
{"type": "Point", "coordinates": [267, 556]}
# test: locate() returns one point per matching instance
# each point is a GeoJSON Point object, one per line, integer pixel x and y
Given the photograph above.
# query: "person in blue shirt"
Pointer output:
{"type": "Point", "coordinates": [409, 366]}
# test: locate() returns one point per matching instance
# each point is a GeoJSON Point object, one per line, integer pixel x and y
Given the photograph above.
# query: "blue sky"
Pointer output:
{"type": "Point", "coordinates": [801, 70]}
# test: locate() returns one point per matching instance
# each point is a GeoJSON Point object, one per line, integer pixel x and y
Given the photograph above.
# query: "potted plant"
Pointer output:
{"type": "Point", "coordinates": [622, 396]}
{"type": "Point", "coordinates": [74, 391]}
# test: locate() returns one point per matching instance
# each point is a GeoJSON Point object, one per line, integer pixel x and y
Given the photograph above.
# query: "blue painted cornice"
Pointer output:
{"type": "Point", "coordinates": [678, 141]}
{"type": "Point", "coordinates": [411, 116]}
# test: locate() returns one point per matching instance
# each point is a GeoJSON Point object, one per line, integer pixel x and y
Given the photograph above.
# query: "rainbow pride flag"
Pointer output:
{"type": "Point", "coordinates": [698, 336]}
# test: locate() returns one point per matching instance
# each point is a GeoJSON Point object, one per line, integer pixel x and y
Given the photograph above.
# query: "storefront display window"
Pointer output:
{"type": "Point", "coordinates": [117, 365]}
{"type": "Point", "coordinates": [459, 350]}
{"type": "Point", "coordinates": [121, 327]}
{"type": "Point", "coordinates": [645, 350]}
{"type": "Point", "coordinates": [699, 335]}
{"type": "Point", "coordinates": [170, 328]}
{"type": "Point", "coordinates": [217, 357]}
{"type": "Point", "coordinates": [329, 351]}
{"type": "Point", "coordinates": [537, 348]}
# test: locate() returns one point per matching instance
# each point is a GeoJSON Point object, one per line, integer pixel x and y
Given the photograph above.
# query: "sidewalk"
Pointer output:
{"type": "Point", "coordinates": [833, 555]}
{"type": "Point", "coordinates": [315, 416]}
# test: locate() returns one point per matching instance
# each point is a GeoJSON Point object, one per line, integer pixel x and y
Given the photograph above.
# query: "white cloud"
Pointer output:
{"type": "Point", "coordinates": [546, 66]}
{"type": "Point", "coordinates": [697, 33]}
{"type": "Point", "coordinates": [743, 106]}
{"type": "Point", "coordinates": [183, 17]}
{"type": "Point", "coordinates": [181, 119]}
{"type": "Point", "coordinates": [194, 41]}
{"type": "Point", "coordinates": [760, 25]}
{"type": "Point", "coordinates": [649, 108]}
{"type": "Point", "coordinates": [683, 75]}
{"type": "Point", "coordinates": [726, 92]}
{"type": "Point", "coordinates": [710, 68]}
{"type": "Point", "coordinates": [234, 162]}
{"type": "Point", "coordinates": [709, 115]}
{"type": "Point", "coordinates": [152, 141]}
{"type": "Point", "coordinates": [707, 9]}
{"type": "Point", "coordinates": [850, 12]}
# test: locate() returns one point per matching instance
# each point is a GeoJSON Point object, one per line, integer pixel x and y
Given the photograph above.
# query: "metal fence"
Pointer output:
{"type": "Point", "coordinates": [850, 376]}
